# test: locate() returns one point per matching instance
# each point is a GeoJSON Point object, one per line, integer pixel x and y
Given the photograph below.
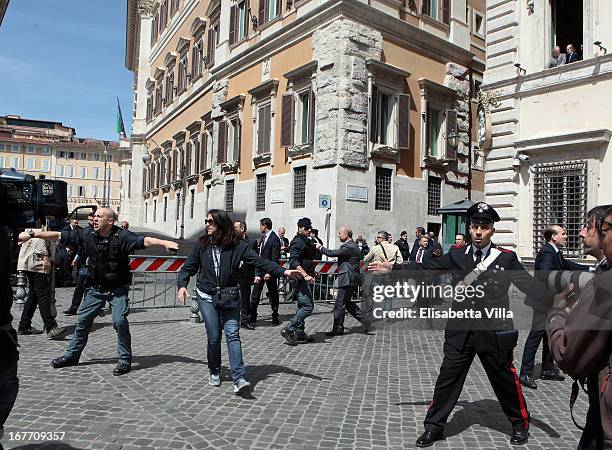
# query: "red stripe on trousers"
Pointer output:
{"type": "Point", "coordinates": [136, 263]}
{"type": "Point", "coordinates": [519, 391]}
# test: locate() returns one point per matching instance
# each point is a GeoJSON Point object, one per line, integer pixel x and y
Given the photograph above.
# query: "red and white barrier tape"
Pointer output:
{"type": "Point", "coordinates": [168, 264]}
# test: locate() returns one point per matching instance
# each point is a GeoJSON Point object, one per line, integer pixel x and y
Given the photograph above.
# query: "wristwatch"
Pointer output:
{"type": "Point", "coordinates": [31, 233]}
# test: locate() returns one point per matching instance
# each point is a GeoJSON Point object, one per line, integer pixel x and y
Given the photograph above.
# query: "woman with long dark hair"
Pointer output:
{"type": "Point", "coordinates": [217, 256]}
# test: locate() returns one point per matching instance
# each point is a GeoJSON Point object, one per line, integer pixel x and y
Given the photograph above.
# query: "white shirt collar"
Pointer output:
{"type": "Point", "coordinates": [555, 247]}
{"type": "Point", "coordinates": [485, 251]}
{"type": "Point", "coordinates": [268, 234]}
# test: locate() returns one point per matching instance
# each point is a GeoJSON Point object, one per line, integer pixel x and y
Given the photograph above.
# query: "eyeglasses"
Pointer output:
{"type": "Point", "coordinates": [607, 223]}
{"type": "Point", "coordinates": [209, 222]}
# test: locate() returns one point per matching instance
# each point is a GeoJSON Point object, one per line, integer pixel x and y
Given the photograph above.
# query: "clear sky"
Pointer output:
{"type": "Point", "coordinates": [63, 61]}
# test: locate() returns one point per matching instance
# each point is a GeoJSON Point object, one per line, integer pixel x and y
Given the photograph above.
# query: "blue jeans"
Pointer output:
{"type": "Point", "coordinates": [305, 305]}
{"type": "Point", "coordinates": [227, 320]}
{"type": "Point", "coordinates": [90, 308]}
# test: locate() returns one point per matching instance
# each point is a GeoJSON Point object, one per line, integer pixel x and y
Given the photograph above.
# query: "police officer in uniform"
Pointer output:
{"type": "Point", "coordinates": [301, 255]}
{"type": "Point", "coordinates": [106, 248]}
{"type": "Point", "coordinates": [493, 339]}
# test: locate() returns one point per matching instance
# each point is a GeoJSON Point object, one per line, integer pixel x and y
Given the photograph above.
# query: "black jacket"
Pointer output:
{"type": "Point", "coordinates": [201, 260]}
{"type": "Point", "coordinates": [8, 335]}
{"type": "Point", "coordinates": [495, 283]}
{"type": "Point", "coordinates": [548, 258]}
{"type": "Point", "coordinates": [427, 254]}
{"type": "Point", "coordinates": [404, 248]}
{"type": "Point", "coordinates": [302, 253]}
{"type": "Point", "coordinates": [271, 250]}
{"type": "Point", "coordinates": [246, 272]}
{"type": "Point", "coordinates": [349, 257]}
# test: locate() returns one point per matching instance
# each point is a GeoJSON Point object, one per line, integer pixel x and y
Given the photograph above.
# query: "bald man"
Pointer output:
{"type": "Point", "coordinates": [347, 281]}
{"type": "Point", "coordinates": [106, 249]}
{"type": "Point", "coordinates": [550, 257]}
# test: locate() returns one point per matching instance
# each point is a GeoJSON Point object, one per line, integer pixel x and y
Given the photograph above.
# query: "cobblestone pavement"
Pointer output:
{"type": "Point", "coordinates": [353, 391]}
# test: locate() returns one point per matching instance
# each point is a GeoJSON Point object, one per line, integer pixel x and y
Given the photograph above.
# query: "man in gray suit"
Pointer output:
{"type": "Point", "coordinates": [557, 58]}
{"type": "Point", "coordinates": [347, 281]}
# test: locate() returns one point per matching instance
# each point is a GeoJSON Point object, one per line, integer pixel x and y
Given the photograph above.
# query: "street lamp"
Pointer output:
{"type": "Point", "coordinates": [453, 140]}
{"type": "Point", "coordinates": [105, 195]}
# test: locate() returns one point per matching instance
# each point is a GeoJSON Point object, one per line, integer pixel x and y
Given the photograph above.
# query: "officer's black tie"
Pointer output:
{"type": "Point", "coordinates": [478, 256]}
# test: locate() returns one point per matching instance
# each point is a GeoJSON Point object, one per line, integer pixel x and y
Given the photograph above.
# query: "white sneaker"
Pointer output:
{"type": "Point", "coordinates": [241, 386]}
{"type": "Point", "coordinates": [214, 380]}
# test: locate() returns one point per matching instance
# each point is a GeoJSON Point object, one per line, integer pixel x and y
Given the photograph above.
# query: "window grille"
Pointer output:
{"type": "Point", "coordinates": [229, 196]}
{"type": "Point", "coordinates": [260, 195]}
{"type": "Point", "coordinates": [560, 198]}
{"type": "Point", "coordinates": [383, 189]}
{"type": "Point", "coordinates": [434, 195]}
{"type": "Point", "coordinates": [299, 187]}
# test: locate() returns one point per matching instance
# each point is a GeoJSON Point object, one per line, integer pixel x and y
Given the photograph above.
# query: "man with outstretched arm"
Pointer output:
{"type": "Point", "coordinates": [106, 249]}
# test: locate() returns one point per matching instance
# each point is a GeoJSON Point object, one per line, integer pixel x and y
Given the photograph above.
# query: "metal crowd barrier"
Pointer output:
{"type": "Point", "coordinates": [154, 282]}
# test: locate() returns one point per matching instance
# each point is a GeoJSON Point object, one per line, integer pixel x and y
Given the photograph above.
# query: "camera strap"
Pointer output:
{"type": "Point", "coordinates": [573, 396]}
{"type": "Point", "coordinates": [481, 267]}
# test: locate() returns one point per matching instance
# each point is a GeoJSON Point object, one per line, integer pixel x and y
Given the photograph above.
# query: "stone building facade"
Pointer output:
{"type": "Point", "coordinates": [336, 110]}
{"type": "Point", "coordinates": [52, 150]}
{"type": "Point", "coordinates": [549, 127]}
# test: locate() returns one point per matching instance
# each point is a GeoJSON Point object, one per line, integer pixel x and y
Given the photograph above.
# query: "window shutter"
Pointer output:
{"type": "Point", "coordinates": [311, 119]}
{"type": "Point", "coordinates": [209, 48]}
{"type": "Point", "coordinates": [287, 120]}
{"type": "Point", "coordinates": [263, 13]}
{"type": "Point", "coordinates": [221, 150]}
{"type": "Point", "coordinates": [233, 15]}
{"type": "Point", "coordinates": [196, 154]}
{"type": "Point", "coordinates": [403, 121]}
{"type": "Point", "coordinates": [237, 144]}
{"type": "Point", "coordinates": [279, 6]}
{"type": "Point", "coordinates": [451, 128]}
{"type": "Point", "coordinates": [373, 111]}
{"type": "Point", "coordinates": [263, 131]}
{"type": "Point", "coordinates": [446, 11]}
{"type": "Point", "coordinates": [426, 8]}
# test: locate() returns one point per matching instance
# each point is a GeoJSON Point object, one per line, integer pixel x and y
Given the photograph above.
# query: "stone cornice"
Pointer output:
{"type": "Point", "coordinates": [303, 71]}
{"type": "Point", "coordinates": [428, 87]}
{"type": "Point", "coordinates": [582, 139]}
{"type": "Point", "coordinates": [179, 137]}
{"type": "Point", "coordinates": [264, 89]}
{"type": "Point", "coordinates": [381, 68]}
{"type": "Point", "coordinates": [233, 103]}
{"type": "Point", "coordinates": [392, 28]}
{"type": "Point", "coordinates": [194, 127]}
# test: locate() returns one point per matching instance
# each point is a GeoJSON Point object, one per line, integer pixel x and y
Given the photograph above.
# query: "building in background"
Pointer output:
{"type": "Point", "coordinates": [3, 7]}
{"type": "Point", "coordinates": [346, 112]}
{"type": "Point", "coordinates": [548, 127]}
{"type": "Point", "coordinates": [50, 149]}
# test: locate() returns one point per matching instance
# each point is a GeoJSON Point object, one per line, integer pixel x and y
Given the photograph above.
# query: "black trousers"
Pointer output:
{"type": "Point", "coordinates": [9, 387]}
{"type": "Point", "coordinates": [245, 302]}
{"type": "Point", "coordinates": [536, 335]}
{"type": "Point", "coordinates": [79, 291]}
{"type": "Point", "coordinates": [272, 285]}
{"type": "Point", "coordinates": [501, 374]}
{"type": "Point", "coordinates": [39, 294]}
{"type": "Point", "coordinates": [344, 304]}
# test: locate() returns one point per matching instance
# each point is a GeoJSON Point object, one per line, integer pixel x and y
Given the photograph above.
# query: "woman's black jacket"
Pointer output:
{"type": "Point", "coordinates": [201, 259]}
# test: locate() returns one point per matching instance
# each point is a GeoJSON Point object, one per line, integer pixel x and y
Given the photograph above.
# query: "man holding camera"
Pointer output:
{"type": "Point", "coordinates": [106, 248]}
{"type": "Point", "coordinates": [549, 258]}
{"type": "Point", "coordinates": [580, 331]}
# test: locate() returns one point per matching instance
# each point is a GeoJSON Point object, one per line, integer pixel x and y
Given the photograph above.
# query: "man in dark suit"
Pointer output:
{"type": "Point", "coordinates": [404, 247]}
{"type": "Point", "coordinates": [269, 248]}
{"type": "Point", "coordinates": [489, 270]}
{"type": "Point", "coordinates": [423, 252]}
{"type": "Point", "coordinates": [246, 274]}
{"type": "Point", "coordinates": [347, 280]}
{"type": "Point", "coordinates": [550, 257]}
{"type": "Point", "coordinates": [571, 56]}
{"type": "Point", "coordinates": [420, 231]}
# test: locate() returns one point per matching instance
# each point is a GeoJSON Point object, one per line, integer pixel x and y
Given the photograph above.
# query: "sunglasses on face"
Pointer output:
{"type": "Point", "coordinates": [209, 222]}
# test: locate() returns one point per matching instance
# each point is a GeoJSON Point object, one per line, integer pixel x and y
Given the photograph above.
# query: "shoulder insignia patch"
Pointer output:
{"type": "Point", "coordinates": [504, 250]}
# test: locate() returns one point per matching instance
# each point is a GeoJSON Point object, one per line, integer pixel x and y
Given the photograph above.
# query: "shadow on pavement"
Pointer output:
{"type": "Point", "coordinates": [487, 413]}
{"type": "Point", "coordinates": [258, 373]}
{"type": "Point", "coordinates": [54, 445]}
{"type": "Point", "coordinates": [147, 361]}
